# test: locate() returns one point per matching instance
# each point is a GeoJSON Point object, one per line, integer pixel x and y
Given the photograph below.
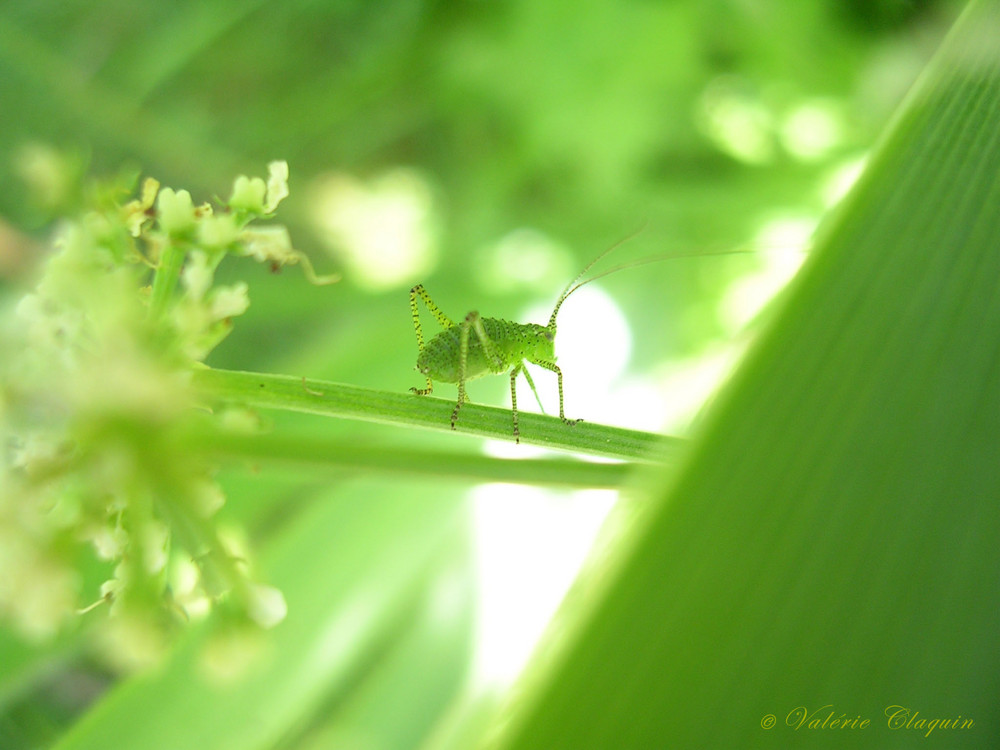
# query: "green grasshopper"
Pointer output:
{"type": "Point", "coordinates": [490, 346]}
{"type": "Point", "coordinates": [481, 346]}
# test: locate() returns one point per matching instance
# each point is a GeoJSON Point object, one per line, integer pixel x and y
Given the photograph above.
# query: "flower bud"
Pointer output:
{"type": "Point", "coordinates": [175, 211]}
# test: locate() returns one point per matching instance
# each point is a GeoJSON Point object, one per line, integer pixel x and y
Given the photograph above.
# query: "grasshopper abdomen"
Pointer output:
{"type": "Point", "coordinates": [440, 357]}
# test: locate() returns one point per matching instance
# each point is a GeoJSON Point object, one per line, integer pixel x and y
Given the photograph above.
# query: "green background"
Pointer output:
{"type": "Point", "coordinates": [579, 121]}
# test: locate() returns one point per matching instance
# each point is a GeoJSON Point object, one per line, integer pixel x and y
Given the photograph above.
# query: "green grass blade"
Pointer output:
{"type": "Point", "coordinates": [832, 539]}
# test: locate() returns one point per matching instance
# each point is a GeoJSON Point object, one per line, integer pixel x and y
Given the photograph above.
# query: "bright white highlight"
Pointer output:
{"type": "Point", "coordinates": [529, 546]}
{"type": "Point", "coordinates": [593, 345]}
{"type": "Point", "coordinates": [531, 543]}
{"type": "Point", "coordinates": [638, 404]}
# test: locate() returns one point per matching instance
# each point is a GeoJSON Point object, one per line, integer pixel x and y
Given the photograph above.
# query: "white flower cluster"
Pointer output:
{"type": "Point", "coordinates": [95, 399]}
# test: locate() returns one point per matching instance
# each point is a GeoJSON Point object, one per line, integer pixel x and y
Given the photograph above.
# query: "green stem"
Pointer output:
{"type": "Point", "coordinates": [308, 453]}
{"type": "Point", "coordinates": [265, 391]}
{"type": "Point", "coordinates": [165, 279]}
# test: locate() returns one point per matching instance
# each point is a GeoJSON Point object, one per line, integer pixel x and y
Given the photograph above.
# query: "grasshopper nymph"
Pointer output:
{"type": "Point", "coordinates": [481, 346]}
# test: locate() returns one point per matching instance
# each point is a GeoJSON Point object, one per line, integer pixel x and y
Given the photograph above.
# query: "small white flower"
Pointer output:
{"type": "Point", "coordinates": [218, 231]}
{"type": "Point", "coordinates": [269, 243]}
{"type": "Point", "coordinates": [197, 275]}
{"type": "Point", "coordinates": [248, 194]}
{"type": "Point", "coordinates": [134, 213]}
{"type": "Point", "coordinates": [266, 605]}
{"type": "Point", "coordinates": [277, 184]}
{"type": "Point", "coordinates": [109, 542]}
{"type": "Point", "coordinates": [111, 588]}
{"type": "Point", "coordinates": [156, 537]}
{"type": "Point", "coordinates": [175, 211]}
{"type": "Point", "coordinates": [230, 301]}
{"type": "Point", "coordinates": [208, 498]}
{"type": "Point", "coordinates": [36, 451]}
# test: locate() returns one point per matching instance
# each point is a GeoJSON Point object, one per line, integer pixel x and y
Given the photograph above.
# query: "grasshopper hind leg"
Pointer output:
{"type": "Point", "coordinates": [418, 292]}
{"type": "Point", "coordinates": [472, 322]}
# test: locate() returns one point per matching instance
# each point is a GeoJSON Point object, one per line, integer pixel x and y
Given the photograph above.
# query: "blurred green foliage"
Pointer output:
{"type": "Point", "coordinates": [579, 123]}
{"type": "Point", "coordinates": [573, 120]}
{"type": "Point", "coordinates": [708, 119]}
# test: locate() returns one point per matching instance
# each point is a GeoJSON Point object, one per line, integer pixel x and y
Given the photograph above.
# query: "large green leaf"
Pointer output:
{"type": "Point", "coordinates": [830, 544]}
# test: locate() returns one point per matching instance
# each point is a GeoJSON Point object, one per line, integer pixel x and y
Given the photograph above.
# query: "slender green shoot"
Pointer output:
{"type": "Point", "coordinates": [260, 390]}
{"type": "Point", "coordinates": [326, 456]}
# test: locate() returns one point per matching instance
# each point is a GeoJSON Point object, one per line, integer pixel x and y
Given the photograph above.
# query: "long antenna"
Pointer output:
{"type": "Point", "coordinates": [576, 283]}
{"type": "Point", "coordinates": [570, 288]}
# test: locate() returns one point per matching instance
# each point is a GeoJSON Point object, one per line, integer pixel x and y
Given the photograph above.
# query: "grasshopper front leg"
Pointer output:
{"type": "Point", "coordinates": [513, 397]}
{"type": "Point", "coordinates": [552, 366]}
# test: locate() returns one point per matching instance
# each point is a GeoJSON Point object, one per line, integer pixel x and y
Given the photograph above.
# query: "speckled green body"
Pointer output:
{"type": "Point", "coordinates": [512, 343]}
{"type": "Point", "coordinates": [483, 346]}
